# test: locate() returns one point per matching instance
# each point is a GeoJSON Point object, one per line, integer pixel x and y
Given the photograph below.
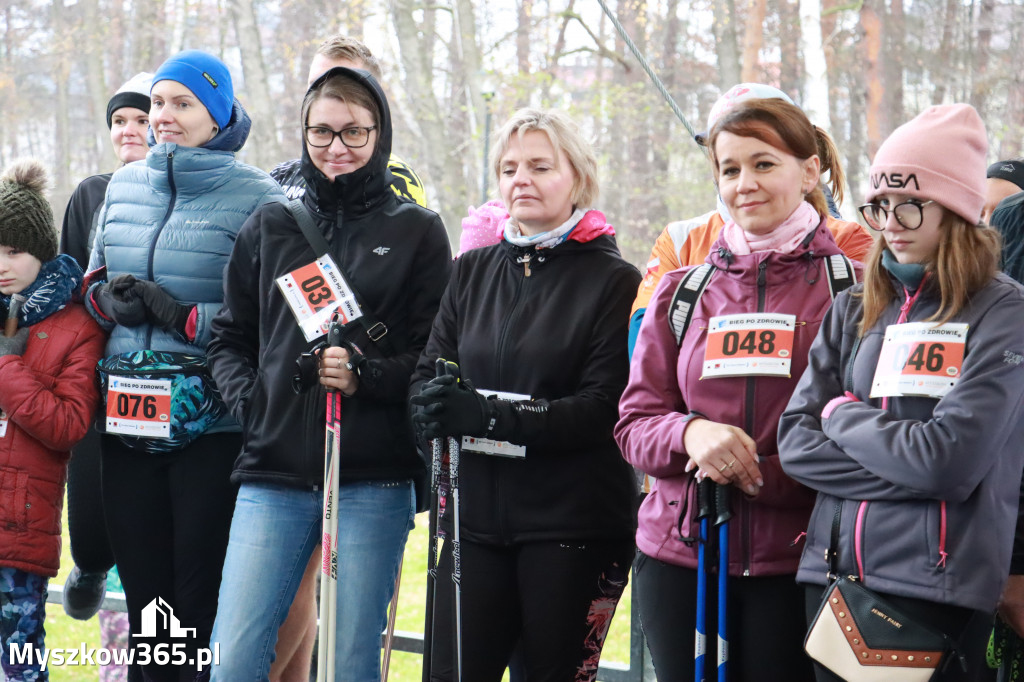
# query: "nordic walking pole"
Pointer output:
{"type": "Point", "coordinates": [724, 513]}
{"type": "Point", "coordinates": [436, 455]}
{"type": "Point", "coordinates": [454, 449]}
{"type": "Point", "coordinates": [329, 563]}
{"type": "Point", "coordinates": [389, 633]}
{"type": "Point", "coordinates": [705, 508]}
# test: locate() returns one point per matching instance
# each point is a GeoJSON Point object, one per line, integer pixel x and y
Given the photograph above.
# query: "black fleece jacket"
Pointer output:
{"type": "Point", "coordinates": [397, 257]}
{"type": "Point", "coordinates": [559, 336]}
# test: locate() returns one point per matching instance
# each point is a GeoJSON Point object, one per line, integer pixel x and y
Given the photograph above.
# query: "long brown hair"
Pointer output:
{"type": "Point", "coordinates": [787, 128]}
{"type": "Point", "coordinates": [968, 257]}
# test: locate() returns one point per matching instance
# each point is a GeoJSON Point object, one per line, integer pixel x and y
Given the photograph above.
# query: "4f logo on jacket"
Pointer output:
{"type": "Point", "coordinates": [381, 250]}
{"type": "Point", "coordinates": [894, 180]}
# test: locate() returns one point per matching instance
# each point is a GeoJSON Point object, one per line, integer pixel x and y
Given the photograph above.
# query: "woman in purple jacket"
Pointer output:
{"type": "Point", "coordinates": [910, 418]}
{"type": "Point", "coordinates": [708, 405]}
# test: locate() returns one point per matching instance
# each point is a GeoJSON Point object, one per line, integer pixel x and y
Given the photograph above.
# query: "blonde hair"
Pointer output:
{"type": "Point", "coordinates": [967, 258]}
{"type": "Point", "coordinates": [564, 135]}
{"type": "Point", "coordinates": [351, 50]}
{"type": "Point", "coordinates": [786, 127]}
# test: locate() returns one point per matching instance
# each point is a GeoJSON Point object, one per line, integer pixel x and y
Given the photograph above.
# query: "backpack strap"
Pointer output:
{"type": "Point", "coordinates": [375, 329]}
{"type": "Point", "coordinates": [841, 274]}
{"type": "Point", "coordinates": [684, 300]}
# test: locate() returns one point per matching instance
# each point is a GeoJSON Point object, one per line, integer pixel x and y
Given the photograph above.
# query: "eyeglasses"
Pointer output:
{"type": "Point", "coordinates": [909, 214]}
{"type": "Point", "coordinates": [353, 138]}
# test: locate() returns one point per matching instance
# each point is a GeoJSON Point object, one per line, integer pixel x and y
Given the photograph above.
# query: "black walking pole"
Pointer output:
{"type": "Point", "coordinates": [436, 455]}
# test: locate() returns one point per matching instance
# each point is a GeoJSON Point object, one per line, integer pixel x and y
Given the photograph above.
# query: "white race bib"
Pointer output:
{"type": "Point", "coordinates": [919, 359]}
{"type": "Point", "coordinates": [139, 407]}
{"type": "Point", "coordinates": [750, 344]}
{"type": "Point", "coordinates": [315, 292]}
{"type": "Point", "coordinates": [486, 446]}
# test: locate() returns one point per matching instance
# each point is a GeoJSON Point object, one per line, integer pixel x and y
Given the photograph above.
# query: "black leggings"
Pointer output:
{"type": "Point", "coordinates": [969, 628]}
{"type": "Point", "coordinates": [168, 516]}
{"type": "Point", "coordinates": [555, 599]}
{"type": "Point", "coordinates": [766, 624]}
{"type": "Point", "coordinates": [87, 529]}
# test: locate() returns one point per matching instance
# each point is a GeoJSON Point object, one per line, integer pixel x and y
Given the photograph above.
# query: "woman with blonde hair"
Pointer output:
{"type": "Point", "coordinates": [546, 530]}
{"type": "Point", "coordinates": [909, 419]}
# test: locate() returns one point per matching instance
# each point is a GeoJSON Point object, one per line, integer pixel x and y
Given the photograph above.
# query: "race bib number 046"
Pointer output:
{"type": "Point", "coordinates": [919, 359]}
{"type": "Point", "coordinates": [314, 293]}
{"type": "Point", "coordinates": [751, 344]}
{"type": "Point", "coordinates": [139, 407]}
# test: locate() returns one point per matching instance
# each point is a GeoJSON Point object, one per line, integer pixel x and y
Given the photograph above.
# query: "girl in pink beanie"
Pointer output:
{"type": "Point", "coordinates": [909, 419]}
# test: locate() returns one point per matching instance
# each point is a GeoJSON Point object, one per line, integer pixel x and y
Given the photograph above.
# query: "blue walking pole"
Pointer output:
{"type": "Point", "coordinates": [705, 508]}
{"type": "Point", "coordinates": [724, 513]}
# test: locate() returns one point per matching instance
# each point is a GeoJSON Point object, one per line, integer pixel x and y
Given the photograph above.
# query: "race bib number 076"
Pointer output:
{"type": "Point", "coordinates": [139, 407]}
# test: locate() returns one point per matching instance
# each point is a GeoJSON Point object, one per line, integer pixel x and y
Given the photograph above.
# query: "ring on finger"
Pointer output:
{"type": "Point", "coordinates": [723, 467]}
{"type": "Point", "coordinates": [730, 464]}
{"type": "Point", "coordinates": [339, 363]}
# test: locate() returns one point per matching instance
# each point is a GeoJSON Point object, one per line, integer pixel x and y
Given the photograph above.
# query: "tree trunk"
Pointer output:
{"type": "Point", "coordinates": [92, 41]}
{"type": "Point", "coordinates": [982, 57]}
{"type": "Point", "coordinates": [944, 57]}
{"type": "Point", "coordinates": [815, 90]}
{"type": "Point", "coordinates": [790, 65]}
{"type": "Point", "coordinates": [524, 21]}
{"type": "Point", "coordinates": [263, 150]}
{"type": "Point", "coordinates": [892, 66]}
{"type": "Point", "coordinates": [753, 39]}
{"type": "Point", "coordinates": [871, 47]}
{"type": "Point", "coordinates": [443, 162]}
{"type": "Point", "coordinates": [62, 42]}
{"type": "Point", "coordinates": [724, 28]}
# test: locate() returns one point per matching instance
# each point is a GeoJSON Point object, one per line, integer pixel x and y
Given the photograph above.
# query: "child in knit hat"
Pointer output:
{"type": "Point", "coordinates": [47, 399]}
{"type": "Point", "coordinates": [909, 419]}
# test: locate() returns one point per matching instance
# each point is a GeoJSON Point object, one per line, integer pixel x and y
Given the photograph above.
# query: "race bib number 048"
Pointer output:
{"type": "Point", "coordinates": [919, 359]}
{"type": "Point", "coordinates": [314, 293]}
{"type": "Point", "coordinates": [751, 344]}
{"type": "Point", "coordinates": [139, 407]}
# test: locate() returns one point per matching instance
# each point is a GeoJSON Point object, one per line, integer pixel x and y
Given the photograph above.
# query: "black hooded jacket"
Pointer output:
{"type": "Point", "coordinates": [555, 331]}
{"type": "Point", "coordinates": [397, 257]}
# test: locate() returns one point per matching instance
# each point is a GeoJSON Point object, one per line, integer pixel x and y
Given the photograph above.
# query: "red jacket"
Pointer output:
{"type": "Point", "coordinates": [49, 395]}
{"type": "Point", "coordinates": [665, 389]}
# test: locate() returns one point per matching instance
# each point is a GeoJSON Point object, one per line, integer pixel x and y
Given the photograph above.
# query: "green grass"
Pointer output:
{"type": "Point", "coordinates": [62, 631]}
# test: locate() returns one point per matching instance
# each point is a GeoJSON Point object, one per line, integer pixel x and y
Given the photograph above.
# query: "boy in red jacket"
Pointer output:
{"type": "Point", "coordinates": [48, 395]}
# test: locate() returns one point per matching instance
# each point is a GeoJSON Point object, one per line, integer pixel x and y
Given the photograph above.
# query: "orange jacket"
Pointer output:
{"type": "Point", "coordinates": [688, 242]}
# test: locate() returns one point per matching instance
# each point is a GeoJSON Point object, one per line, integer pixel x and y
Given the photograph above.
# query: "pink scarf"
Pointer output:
{"type": "Point", "coordinates": [783, 239]}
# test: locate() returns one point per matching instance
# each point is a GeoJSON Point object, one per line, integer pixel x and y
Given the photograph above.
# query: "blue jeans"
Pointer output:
{"type": "Point", "coordinates": [273, 534]}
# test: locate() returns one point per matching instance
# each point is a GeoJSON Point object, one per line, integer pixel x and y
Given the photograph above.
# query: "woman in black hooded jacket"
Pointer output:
{"type": "Point", "coordinates": [395, 255]}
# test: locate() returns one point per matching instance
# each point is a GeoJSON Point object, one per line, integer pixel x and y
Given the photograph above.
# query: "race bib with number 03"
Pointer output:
{"type": "Point", "coordinates": [139, 407]}
{"type": "Point", "coordinates": [3, 424]}
{"type": "Point", "coordinates": [750, 344]}
{"type": "Point", "coordinates": [314, 293]}
{"type": "Point", "coordinates": [919, 359]}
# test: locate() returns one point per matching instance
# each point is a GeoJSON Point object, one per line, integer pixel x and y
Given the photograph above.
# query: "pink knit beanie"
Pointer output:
{"type": "Point", "coordinates": [938, 155]}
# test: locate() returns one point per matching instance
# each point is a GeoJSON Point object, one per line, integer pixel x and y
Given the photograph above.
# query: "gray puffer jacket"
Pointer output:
{"type": "Point", "coordinates": [928, 487]}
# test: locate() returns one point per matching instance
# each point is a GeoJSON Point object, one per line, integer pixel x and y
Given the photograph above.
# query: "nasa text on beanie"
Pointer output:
{"type": "Point", "coordinates": [206, 76]}
{"type": "Point", "coordinates": [938, 155]}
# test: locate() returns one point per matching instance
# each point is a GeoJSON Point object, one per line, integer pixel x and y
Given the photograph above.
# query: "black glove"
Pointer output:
{"type": "Point", "coordinates": [118, 300]}
{"type": "Point", "coordinates": [451, 408]}
{"type": "Point", "coordinates": [14, 345]}
{"type": "Point", "coordinates": [161, 308]}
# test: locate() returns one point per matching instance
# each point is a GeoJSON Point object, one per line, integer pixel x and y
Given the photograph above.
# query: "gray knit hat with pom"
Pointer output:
{"type": "Point", "coordinates": [26, 219]}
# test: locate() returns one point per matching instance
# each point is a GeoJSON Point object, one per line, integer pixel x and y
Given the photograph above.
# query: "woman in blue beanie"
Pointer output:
{"type": "Point", "coordinates": [168, 229]}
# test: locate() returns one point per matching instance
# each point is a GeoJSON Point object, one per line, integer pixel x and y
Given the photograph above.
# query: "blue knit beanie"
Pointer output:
{"type": "Point", "coordinates": [206, 76]}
